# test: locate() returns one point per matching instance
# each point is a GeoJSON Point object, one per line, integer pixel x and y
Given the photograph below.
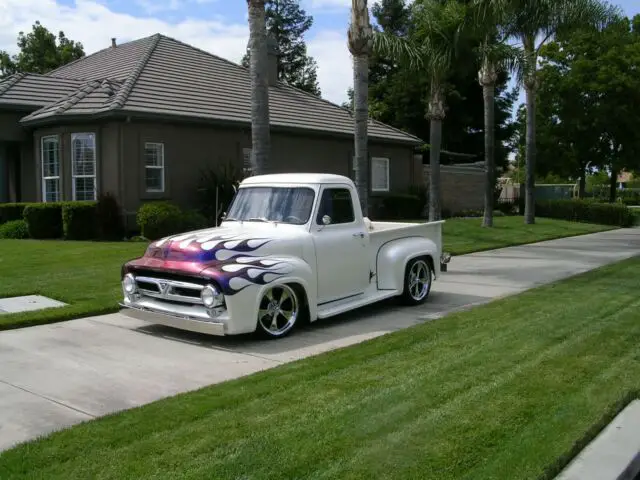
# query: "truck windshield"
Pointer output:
{"type": "Point", "coordinates": [272, 204]}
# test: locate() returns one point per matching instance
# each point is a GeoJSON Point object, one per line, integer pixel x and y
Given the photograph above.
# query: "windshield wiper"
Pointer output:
{"type": "Point", "coordinates": [259, 219]}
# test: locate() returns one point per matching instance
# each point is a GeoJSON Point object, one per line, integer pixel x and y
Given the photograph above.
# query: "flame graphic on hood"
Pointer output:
{"type": "Point", "coordinates": [241, 272]}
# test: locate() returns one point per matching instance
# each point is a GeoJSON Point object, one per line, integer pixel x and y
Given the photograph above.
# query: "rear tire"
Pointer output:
{"type": "Point", "coordinates": [418, 277]}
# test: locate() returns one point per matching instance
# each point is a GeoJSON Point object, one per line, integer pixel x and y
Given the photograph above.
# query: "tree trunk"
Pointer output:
{"type": "Point", "coordinates": [436, 115]}
{"type": "Point", "coordinates": [361, 107]}
{"type": "Point", "coordinates": [487, 78]}
{"type": "Point", "coordinates": [530, 176]}
{"type": "Point", "coordinates": [435, 139]}
{"type": "Point", "coordinates": [359, 42]}
{"type": "Point", "coordinates": [613, 185]}
{"type": "Point", "coordinates": [259, 69]}
{"type": "Point", "coordinates": [582, 185]}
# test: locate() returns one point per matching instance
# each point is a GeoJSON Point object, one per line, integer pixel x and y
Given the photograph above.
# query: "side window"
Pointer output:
{"type": "Point", "coordinates": [337, 203]}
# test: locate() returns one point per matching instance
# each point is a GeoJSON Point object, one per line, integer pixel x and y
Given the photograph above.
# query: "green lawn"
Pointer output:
{"type": "Point", "coordinates": [509, 390]}
{"type": "Point", "coordinates": [86, 275]}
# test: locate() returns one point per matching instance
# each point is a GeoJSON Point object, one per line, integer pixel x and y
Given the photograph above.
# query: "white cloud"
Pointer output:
{"type": "Point", "coordinates": [94, 24]}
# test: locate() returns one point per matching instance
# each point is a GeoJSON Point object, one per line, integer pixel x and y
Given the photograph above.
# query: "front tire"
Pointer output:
{"type": "Point", "coordinates": [278, 311]}
{"type": "Point", "coordinates": [418, 277]}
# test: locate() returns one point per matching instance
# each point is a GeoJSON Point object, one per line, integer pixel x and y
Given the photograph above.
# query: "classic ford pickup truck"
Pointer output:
{"type": "Point", "coordinates": [291, 247]}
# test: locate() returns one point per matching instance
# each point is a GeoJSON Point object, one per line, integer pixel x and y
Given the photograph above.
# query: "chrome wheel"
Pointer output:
{"type": "Point", "coordinates": [419, 280]}
{"type": "Point", "coordinates": [278, 311]}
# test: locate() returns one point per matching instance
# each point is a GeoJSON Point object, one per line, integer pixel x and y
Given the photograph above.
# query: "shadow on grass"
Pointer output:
{"type": "Point", "coordinates": [561, 463]}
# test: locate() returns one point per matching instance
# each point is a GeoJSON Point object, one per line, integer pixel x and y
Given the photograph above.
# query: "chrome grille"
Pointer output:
{"type": "Point", "coordinates": [171, 290]}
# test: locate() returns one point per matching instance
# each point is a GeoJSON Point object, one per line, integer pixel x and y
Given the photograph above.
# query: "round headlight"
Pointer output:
{"type": "Point", "coordinates": [129, 283]}
{"type": "Point", "coordinates": [210, 296]}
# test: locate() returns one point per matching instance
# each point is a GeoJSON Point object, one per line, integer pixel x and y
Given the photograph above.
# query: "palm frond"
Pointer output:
{"type": "Point", "coordinates": [398, 47]}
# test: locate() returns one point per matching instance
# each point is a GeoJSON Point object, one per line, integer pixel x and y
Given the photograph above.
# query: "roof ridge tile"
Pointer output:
{"type": "Point", "coordinates": [11, 81]}
{"type": "Point", "coordinates": [81, 92]}
{"type": "Point", "coordinates": [127, 86]}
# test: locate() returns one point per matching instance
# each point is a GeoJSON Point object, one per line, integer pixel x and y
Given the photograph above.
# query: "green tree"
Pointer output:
{"type": "Point", "coordinates": [40, 51]}
{"type": "Point", "coordinates": [589, 103]}
{"type": "Point", "coordinates": [526, 21]}
{"type": "Point", "coordinates": [260, 132]}
{"type": "Point", "coordinates": [287, 22]}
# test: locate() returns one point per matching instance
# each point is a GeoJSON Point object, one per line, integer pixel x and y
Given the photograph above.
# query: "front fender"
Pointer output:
{"type": "Point", "coordinates": [244, 280]}
{"type": "Point", "coordinates": [393, 258]}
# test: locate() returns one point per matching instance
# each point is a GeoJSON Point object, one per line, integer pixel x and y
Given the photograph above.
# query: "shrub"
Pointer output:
{"type": "Point", "coordinates": [79, 220]}
{"type": "Point", "coordinates": [586, 211]}
{"type": "Point", "coordinates": [194, 220]}
{"type": "Point", "coordinates": [217, 185]}
{"type": "Point", "coordinates": [110, 224]}
{"type": "Point", "coordinates": [396, 207]}
{"type": "Point", "coordinates": [16, 229]}
{"type": "Point", "coordinates": [11, 211]}
{"type": "Point", "coordinates": [44, 220]}
{"type": "Point", "coordinates": [159, 219]}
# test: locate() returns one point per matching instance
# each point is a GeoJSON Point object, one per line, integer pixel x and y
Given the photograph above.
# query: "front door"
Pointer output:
{"type": "Point", "coordinates": [341, 247]}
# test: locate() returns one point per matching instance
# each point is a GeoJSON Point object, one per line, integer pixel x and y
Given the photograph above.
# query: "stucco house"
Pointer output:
{"type": "Point", "coordinates": [141, 119]}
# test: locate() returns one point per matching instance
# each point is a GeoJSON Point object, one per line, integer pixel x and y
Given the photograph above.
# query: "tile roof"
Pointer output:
{"type": "Point", "coordinates": [34, 90]}
{"type": "Point", "coordinates": [163, 76]}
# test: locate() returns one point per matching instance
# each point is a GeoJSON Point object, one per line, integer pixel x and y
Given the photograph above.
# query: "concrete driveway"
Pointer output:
{"type": "Point", "coordinates": [54, 376]}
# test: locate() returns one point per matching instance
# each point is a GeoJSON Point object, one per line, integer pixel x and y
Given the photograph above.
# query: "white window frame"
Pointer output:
{"type": "Point", "coordinates": [74, 136]}
{"type": "Point", "coordinates": [373, 170]}
{"type": "Point", "coordinates": [56, 177]}
{"type": "Point", "coordinates": [160, 147]}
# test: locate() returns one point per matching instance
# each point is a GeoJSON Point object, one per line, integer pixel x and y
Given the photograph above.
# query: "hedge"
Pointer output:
{"type": "Point", "coordinates": [587, 211]}
{"type": "Point", "coordinates": [159, 219]}
{"type": "Point", "coordinates": [11, 211]}
{"type": "Point", "coordinates": [79, 220]}
{"type": "Point", "coordinates": [15, 229]}
{"type": "Point", "coordinates": [44, 220]}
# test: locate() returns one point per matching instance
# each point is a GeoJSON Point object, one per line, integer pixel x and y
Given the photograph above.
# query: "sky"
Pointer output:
{"type": "Point", "coordinates": [218, 26]}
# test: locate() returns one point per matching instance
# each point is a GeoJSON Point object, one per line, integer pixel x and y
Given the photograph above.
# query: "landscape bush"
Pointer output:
{"type": "Point", "coordinates": [616, 214]}
{"type": "Point", "coordinates": [11, 211]}
{"type": "Point", "coordinates": [159, 219]}
{"type": "Point", "coordinates": [397, 206]}
{"type": "Point", "coordinates": [110, 224]}
{"type": "Point", "coordinates": [79, 220]}
{"type": "Point", "coordinates": [194, 220]}
{"type": "Point", "coordinates": [44, 220]}
{"type": "Point", "coordinates": [15, 229]}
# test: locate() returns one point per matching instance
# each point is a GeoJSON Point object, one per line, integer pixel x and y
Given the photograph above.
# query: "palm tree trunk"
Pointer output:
{"type": "Point", "coordinates": [361, 107]}
{"type": "Point", "coordinates": [488, 77]}
{"type": "Point", "coordinates": [613, 184]}
{"type": "Point", "coordinates": [530, 176]}
{"type": "Point", "coordinates": [259, 68]}
{"type": "Point", "coordinates": [359, 42]}
{"type": "Point", "coordinates": [435, 139]}
{"type": "Point", "coordinates": [436, 115]}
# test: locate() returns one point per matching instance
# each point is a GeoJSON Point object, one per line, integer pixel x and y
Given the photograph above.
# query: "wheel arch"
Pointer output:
{"type": "Point", "coordinates": [394, 256]}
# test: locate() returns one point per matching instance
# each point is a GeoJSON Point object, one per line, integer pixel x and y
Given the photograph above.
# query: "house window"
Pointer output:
{"type": "Point", "coordinates": [154, 166]}
{"type": "Point", "coordinates": [50, 153]}
{"type": "Point", "coordinates": [247, 166]}
{"type": "Point", "coordinates": [83, 166]}
{"type": "Point", "coordinates": [379, 174]}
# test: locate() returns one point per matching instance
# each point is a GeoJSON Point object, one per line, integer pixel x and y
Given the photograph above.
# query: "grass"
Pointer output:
{"type": "Point", "coordinates": [512, 389]}
{"type": "Point", "coordinates": [86, 275]}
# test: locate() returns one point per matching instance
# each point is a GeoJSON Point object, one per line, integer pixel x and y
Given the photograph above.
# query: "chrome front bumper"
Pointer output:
{"type": "Point", "coordinates": [190, 323]}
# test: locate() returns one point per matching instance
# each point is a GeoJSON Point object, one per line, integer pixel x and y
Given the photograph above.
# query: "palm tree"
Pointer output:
{"type": "Point", "coordinates": [258, 66]}
{"type": "Point", "coordinates": [532, 23]}
{"type": "Point", "coordinates": [432, 47]}
{"type": "Point", "coordinates": [494, 55]}
{"type": "Point", "coordinates": [359, 41]}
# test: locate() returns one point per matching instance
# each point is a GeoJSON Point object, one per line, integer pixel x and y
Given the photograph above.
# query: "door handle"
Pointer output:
{"type": "Point", "coordinates": [358, 235]}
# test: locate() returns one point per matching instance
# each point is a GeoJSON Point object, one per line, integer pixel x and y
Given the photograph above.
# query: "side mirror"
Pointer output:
{"type": "Point", "coordinates": [326, 220]}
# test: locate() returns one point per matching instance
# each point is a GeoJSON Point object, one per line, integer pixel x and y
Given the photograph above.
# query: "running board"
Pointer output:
{"type": "Point", "coordinates": [348, 304]}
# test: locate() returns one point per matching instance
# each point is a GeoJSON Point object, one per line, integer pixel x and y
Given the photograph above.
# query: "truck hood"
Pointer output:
{"type": "Point", "coordinates": [211, 249]}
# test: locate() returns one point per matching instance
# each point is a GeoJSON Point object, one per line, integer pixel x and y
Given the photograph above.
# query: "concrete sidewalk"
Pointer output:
{"type": "Point", "coordinates": [54, 376]}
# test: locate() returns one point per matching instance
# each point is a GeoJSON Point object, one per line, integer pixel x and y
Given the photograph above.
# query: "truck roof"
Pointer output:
{"type": "Point", "coordinates": [294, 178]}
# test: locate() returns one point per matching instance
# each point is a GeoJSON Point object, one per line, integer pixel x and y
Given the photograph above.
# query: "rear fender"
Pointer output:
{"type": "Point", "coordinates": [394, 256]}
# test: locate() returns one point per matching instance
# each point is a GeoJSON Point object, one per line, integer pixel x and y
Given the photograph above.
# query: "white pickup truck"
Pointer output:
{"type": "Point", "coordinates": [291, 247]}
